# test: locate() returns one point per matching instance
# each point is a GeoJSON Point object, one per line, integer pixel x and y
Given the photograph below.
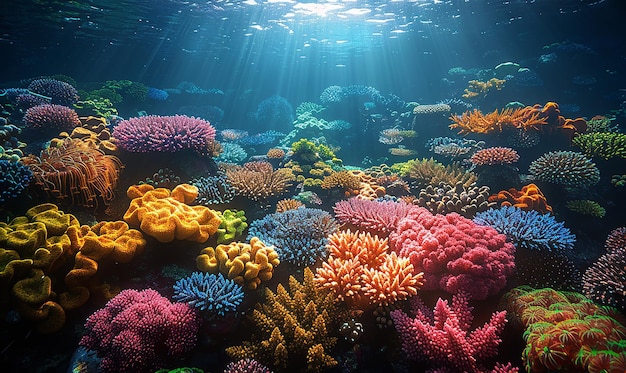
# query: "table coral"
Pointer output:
{"type": "Point", "coordinates": [166, 215]}
{"type": "Point", "coordinates": [246, 263]}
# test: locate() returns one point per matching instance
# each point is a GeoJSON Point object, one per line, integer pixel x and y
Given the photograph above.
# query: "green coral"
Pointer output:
{"type": "Point", "coordinates": [232, 226]}
{"type": "Point", "coordinates": [104, 93]}
{"type": "Point", "coordinates": [306, 151]}
{"type": "Point", "coordinates": [586, 207]}
{"type": "Point", "coordinates": [601, 123]}
{"type": "Point", "coordinates": [128, 89]}
{"type": "Point", "coordinates": [602, 144]}
{"type": "Point", "coordinates": [100, 107]}
{"type": "Point", "coordinates": [618, 181]}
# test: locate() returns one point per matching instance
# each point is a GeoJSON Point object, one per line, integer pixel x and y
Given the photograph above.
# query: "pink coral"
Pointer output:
{"type": "Point", "coordinates": [454, 253]}
{"type": "Point", "coordinates": [246, 366]}
{"type": "Point", "coordinates": [494, 156]}
{"type": "Point", "coordinates": [138, 330]}
{"type": "Point", "coordinates": [154, 133]}
{"type": "Point", "coordinates": [57, 117]}
{"type": "Point", "coordinates": [379, 218]}
{"type": "Point", "coordinates": [443, 336]}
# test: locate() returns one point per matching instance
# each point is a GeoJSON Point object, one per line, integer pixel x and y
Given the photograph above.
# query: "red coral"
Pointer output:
{"type": "Point", "coordinates": [494, 156]}
{"type": "Point", "coordinates": [454, 253]}
{"type": "Point", "coordinates": [444, 337]}
{"type": "Point", "coordinates": [138, 330]}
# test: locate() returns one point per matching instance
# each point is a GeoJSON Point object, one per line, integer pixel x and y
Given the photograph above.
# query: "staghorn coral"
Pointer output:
{"type": "Point", "coordinates": [73, 170]}
{"type": "Point", "coordinates": [520, 118]}
{"type": "Point", "coordinates": [445, 198]}
{"type": "Point", "coordinates": [605, 145]}
{"type": "Point", "coordinates": [288, 204]}
{"type": "Point", "coordinates": [213, 294]}
{"type": "Point", "coordinates": [479, 89]}
{"type": "Point", "coordinates": [566, 168]}
{"type": "Point", "coordinates": [425, 172]}
{"type": "Point", "coordinates": [166, 215]}
{"type": "Point", "coordinates": [293, 328]}
{"type": "Point", "coordinates": [586, 207]}
{"type": "Point", "coordinates": [565, 331]}
{"type": "Point", "coordinates": [528, 229]}
{"type": "Point", "coordinates": [246, 263]}
{"type": "Point", "coordinates": [299, 236]}
{"type": "Point", "coordinates": [361, 271]}
{"type": "Point", "coordinates": [259, 181]}
{"type": "Point", "coordinates": [443, 336]}
{"type": "Point", "coordinates": [528, 198]}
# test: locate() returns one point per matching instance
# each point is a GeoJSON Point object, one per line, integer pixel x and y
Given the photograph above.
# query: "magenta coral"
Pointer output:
{"type": "Point", "coordinates": [49, 116]}
{"type": "Point", "coordinates": [379, 218]}
{"type": "Point", "coordinates": [494, 156]}
{"type": "Point", "coordinates": [443, 336]}
{"type": "Point", "coordinates": [246, 366]}
{"type": "Point", "coordinates": [454, 253]}
{"type": "Point", "coordinates": [138, 331]}
{"type": "Point", "coordinates": [154, 133]}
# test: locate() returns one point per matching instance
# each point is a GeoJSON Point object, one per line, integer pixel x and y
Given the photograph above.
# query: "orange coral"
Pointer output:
{"type": "Point", "coordinates": [288, 204]}
{"type": "Point", "coordinates": [368, 187]}
{"type": "Point", "coordinates": [528, 198]}
{"type": "Point", "coordinates": [360, 271]}
{"type": "Point", "coordinates": [246, 263]}
{"type": "Point", "coordinates": [275, 153]}
{"type": "Point", "coordinates": [342, 179]}
{"type": "Point", "coordinates": [75, 170]}
{"type": "Point", "coordinates": [166, 215]}
{"type": "Point", "coordinates": [477, 88]}
{"type": "Point", "coordinates": [93, 132]}
{"type": "Point", "coordinates": [259, 181]}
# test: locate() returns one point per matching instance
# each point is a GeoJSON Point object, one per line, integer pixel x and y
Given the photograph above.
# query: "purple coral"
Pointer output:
{"type": "Point", "coordinates": [154, 133]}
{"type": "Point", "coordinates": [50, 116]}
{"type": "Point", "coordinates": [140, 331]}
{"type": "Point", "coordinates": [61, 93]}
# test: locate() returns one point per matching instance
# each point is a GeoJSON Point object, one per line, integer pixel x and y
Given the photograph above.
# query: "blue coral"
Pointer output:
{"type": "Point", "coordinates": [275, 112]}
{"type": "Point", "coordinates": [213, 190]}
{"type": "Point", "coordinates": [209, 292]}
{"type": "Point", "coordinates": [157, 94]}
{"type": "Point", "coordinates": [231, 153]}
{"type": "Point", "coordinates": [528, 229]}
{"type": "Point", "coordinates": [14, 178]}
{"type": "Point", "coordinates": [298, 236]}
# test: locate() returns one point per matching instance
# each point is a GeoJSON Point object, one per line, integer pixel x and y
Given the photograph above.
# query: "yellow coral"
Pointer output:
{"type": "Point", "coordinates": [167, 216]}
{"type": "Point", "coordinates": [246, 263]}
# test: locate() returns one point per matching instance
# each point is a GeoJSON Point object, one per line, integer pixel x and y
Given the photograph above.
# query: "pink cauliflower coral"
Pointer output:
{"type": "Point", "coordinates": [139, 331]}
{"type": "Point", "coordinates": [376, 217]}
{"type": "Point", "coordinates": [454, 253]}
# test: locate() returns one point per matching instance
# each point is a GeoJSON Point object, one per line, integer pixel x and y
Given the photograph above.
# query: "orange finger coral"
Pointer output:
{"type": "Point", "coordinates": [528, 198]}
{"type": "Point", "coordinates": [361, 272]}
{"type": "Point", "coordinates": [246, 263]}
{"type": "Point", "coordinates": [166, 215]}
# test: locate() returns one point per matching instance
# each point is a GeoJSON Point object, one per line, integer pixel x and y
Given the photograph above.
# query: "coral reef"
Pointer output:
{"type": "Point", "coordinates": [166, 215]}
{"type": "Point", "coordinates": [362, 272]}
{"type": "Point", "coordinates": [566, 168]}
{"type": "Point", "coordinates": [454, 253]}
{"type": "Point", "coordinates": [444, 338]}
{"type": "Point", "coordinates": [528, 198]}
{"type": "Point", "coordinates": [259, 181]}
{"type": "Point", "coordinates": [246, 263]}
{"type": "Point", "coordinates": [140, 331]}
{"type": "Point", "coordinates": [213, 294]}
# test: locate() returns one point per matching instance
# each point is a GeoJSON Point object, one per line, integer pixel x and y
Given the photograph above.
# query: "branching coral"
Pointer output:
{"type": "Point", "coordinates": [259, 181]}
{"type": "Point", "coordinates": [605, 145]}
{"type": "Point", "coordinates": [293, 328]}
{"type": "Point", "coordinates": [361, 271]}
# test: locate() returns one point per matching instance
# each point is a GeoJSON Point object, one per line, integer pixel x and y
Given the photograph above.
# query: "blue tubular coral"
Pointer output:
{"type": "Point", "coordinates": [213, 190]}
{"type": "Point", "coordinates": [298, 236]}
{"type": "Point", "coordinates": [528, 229]}
{"type": "Point", "coordinates": [209, 292]}
{"type": "Point", "coordinates": [14, 178]}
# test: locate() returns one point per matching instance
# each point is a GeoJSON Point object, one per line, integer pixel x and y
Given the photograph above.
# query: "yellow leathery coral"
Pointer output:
{"type": "Point", "coordinates": [246, 263]}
